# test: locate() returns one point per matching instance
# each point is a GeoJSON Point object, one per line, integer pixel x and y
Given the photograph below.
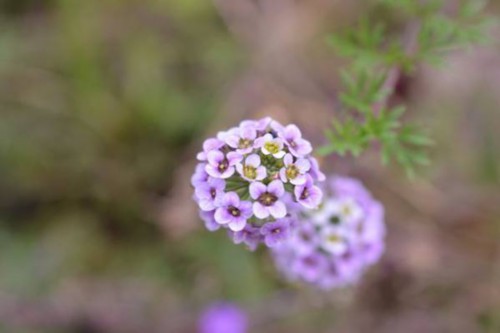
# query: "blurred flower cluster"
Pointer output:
{"type": "Point", "coordinates": [332, 246]}
{"type": "Point", "coordinates": [250, 176]}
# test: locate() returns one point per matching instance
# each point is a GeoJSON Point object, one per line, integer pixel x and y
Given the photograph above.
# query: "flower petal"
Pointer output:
{"type": "Point", "coordinates": [278, 210]}
{"type": "Point", "coordinates": [260, 211]}
{"type": "Point", "coordinates": [256, 189]}
{"type": "Point", "coordinates": [276, 187]}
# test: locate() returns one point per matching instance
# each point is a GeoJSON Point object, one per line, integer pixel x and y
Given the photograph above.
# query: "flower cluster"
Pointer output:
{"type": "Point", "coordinates": [249, 176]}
{"type": "Point", "coordinates": [332, 246]}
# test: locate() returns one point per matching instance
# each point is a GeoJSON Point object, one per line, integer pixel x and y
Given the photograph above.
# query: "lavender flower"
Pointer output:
{"type": "Point", "coordinates": [233, 212]}
{"type": "Point", "coordinates": [331, 247]}
{"type": "Point", "coordinates": [200, 176]}
{"type": "Point", "coordinates": [209, 219]}
{"type": "Point", "coordinates": [251, 170]}
{"type": "Point", "coordinates": [223, 317]}
{"type": "Point", "coordinates": [297, 146]}
{"type": "Point", "coordinates": [276, 232]}
{"type": "Point", "coordinates": [294, 171]}
{"type": "Point", "coordinates": [209, 193]}
{"type": "Point", "coordinates": [308, 194]}
{"type": "Point", "coordinates": [239, 183]}
{"type": "Point", "coordinates": [271, 146]}
{"type": "Point", "coordinates": [250, 236]}
{"type": "Point", "coordinates": [208, 146]}
{"type": "Point", "coordinates": [267, 199]}
{"type": "Point", "coordinates": [220, 165]}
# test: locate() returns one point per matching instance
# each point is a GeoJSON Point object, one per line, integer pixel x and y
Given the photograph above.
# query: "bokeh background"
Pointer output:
{"type": "Point", "coordinates": [103, 106]}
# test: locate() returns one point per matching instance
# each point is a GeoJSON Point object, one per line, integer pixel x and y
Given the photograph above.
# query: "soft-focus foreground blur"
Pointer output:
{"type": "Point", "coordinates": [104, 105]}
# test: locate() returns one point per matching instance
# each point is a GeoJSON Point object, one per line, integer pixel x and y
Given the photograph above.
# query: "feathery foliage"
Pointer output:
{"type": "Point", "coordinates": [378, 59]}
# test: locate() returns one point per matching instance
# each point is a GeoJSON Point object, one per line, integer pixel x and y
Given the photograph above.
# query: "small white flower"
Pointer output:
{"type": "Point", "coordinates": [271, 146]}
{"type": "Point", "coordinates": [334, 239]}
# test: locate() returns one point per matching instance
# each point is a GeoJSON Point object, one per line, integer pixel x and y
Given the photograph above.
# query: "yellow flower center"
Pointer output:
{"type": "Point", "coordinates": [250, 172]}
{"type": "Point", "coordinates": [346, 210]}
{"type": "Point", "coordinates": [292, 172]}
{"type": "Point", "coordinates": [272, 147]}
{"type": "Point", "coordinates": [244, 143]}
{"type": "Point", "coordinates": [334, 238]}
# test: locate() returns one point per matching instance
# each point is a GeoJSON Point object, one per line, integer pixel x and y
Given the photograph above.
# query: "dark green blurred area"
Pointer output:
{"type": "Point", "coordinates": [99, 101]}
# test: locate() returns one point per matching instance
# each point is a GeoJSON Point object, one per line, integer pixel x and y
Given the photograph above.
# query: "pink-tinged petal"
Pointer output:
{"type": "Point", "coordinates": [211, 225]}
{"type": "Point", "coordinates": [231, 199]}
{"type": "Point", "coordinates": [201, 156]}
{"type": "Point", "coordinates": [228, 173]}
{"type": "Point", "coordinates": [214, 157]}
{"type": "Point", "coordinates": [246, 209]}
{"type": "Point", "coordinates": [276, 126]}
{"type": "Point", "coordinates": [279, 154]}
{"type": "Point", "coordinates": [256, 189]}
{"type": "Point", "coordinates": [212, 144]}
{"type": "Point", "coordinates": [212, 171]}
{"type": "Point", "coordinates": [221, 216]}
{"type": "Point", "coordinates": [233, 141]}
{"type": "Point", "coordinates": [233, 158]}
{"type": "Point", "coordinates": [304, 147]}
{"type": "Point", "coordinates": [239, 168]}
{"type": "Point", "coordinates": [261, 173]}
{"type": "Point", "coordinates": [263, 123]}
{"type": "Point", "coordinates": [237, 225]}
{"type": "Point", "coordinates": [248, 133]}
{"type": "Point", "coordinates": [259, 142]}
{"type": "Point", "coordinates": [248, 123]}
{"type": "Point", "coordinates": [278, 210]}
{"type": "Point", "coordinates": [292, 132]}
{"type": "Point", "coordinates": [288, 160]}
{"type": "Point", "coordinates": [299, 180]}
{"type": "Point", "coordinates": [276, 187]}
{"type": "Point", "coordinates": [260, 211]}
{"type": "Point", "coordinates": [206, 205]}
{"type": "Point", "coordinates": [253, 160]}
{"type": "Point", "coordinates": [303, 165]}
{"type": "Point", "coordinates": [283, 176]}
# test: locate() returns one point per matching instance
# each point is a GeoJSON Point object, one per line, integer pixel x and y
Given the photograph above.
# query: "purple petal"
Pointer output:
{"type": "Point", "coordinates": [206, 205]}
{"type": "Point", "coordinates": [212, 144]}
{"type": "Point", "coordinates": [261, 173]}
{"type": "Point", "coordinates": [278, 210]}
{"type": "Point", "coordinates": [214, 157]}
{"type": "Point", "coordinates": [248, 133]}
{"type": "Point", "coordinates": [288, 160]}
{"type": "Point", "coordinates": [253, 160]}
{"type": "Point", "coordinates": [231, 199]}
{"type": "Point", "coordinates": [299, 180]}
{"type": "Point", "coordinates": [237, 224]}
{"type": "Point", "coordinates": [303, 165]}
{"type": "Point", "coordinates": [292, 133]}
{"type": "Point", "coordinates": [234, 157]}
{"type": "Point", "coordinates": [210, 223]}
{"type": "Point", "coordinates": [276, 187]}
{"type": "Point", "coordinates": [233, 141]}
{"type": "Point", "coordinates": [283, 176]}
{"type": "Point", "coordinates": [260, 211]}
{"type": "Point", "coordinates": [245, 208]}
{"type": "Point", "coordinates": [222, 216]}
{"type": "Point", "coordinates": [257, 189]}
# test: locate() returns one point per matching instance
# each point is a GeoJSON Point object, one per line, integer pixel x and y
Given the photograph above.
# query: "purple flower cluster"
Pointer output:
{"type": "Point", "coordinates": [250, 177]}
{"type": "Point", "coordinates": [332, 246]}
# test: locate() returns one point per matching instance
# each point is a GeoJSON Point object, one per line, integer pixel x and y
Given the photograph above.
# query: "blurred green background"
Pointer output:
{"type": "Point", "coordinates": [103, 106]}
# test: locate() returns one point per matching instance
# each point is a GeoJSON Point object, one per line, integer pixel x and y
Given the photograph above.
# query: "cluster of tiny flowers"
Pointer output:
{"type": "Point", "coordinates": [332, 246]}
{"type": "Point", "coordinates": [248, 178]}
